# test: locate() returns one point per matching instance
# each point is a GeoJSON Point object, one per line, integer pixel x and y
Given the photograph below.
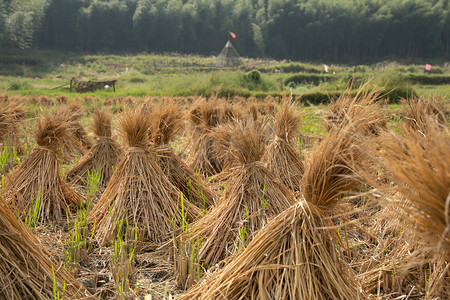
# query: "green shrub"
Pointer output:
{"type": "Point", "coordinates": [254, 76]}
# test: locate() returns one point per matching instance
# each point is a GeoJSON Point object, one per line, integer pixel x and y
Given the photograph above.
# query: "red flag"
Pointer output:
{"type": "Point", "coordinates": [232, 34]}
{"type": "Point", "coordinates": [427, 67]}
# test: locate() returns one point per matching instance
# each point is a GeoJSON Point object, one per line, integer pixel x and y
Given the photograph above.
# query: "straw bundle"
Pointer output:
{"type": "Point", "coordinates": [232, 112]}
{"type": "Point", "coordinates": [201, 158]}
{"type": "Point", "coordinates": [203, 116]}
{"type": "Point", "coordinates": [74, 113]}
{"type": "Point", "coordinates": [419, 165]}
{"type": "Point", "coordinates": [416, 110]}
{"type": "Point", "coordinates": [415, 189]}
{"type": "Point", "coordinates": [328, 176]}
{"type": "Point", "coordinates": [252, 196]}
{"type": "Point", "coordinates": [167, 121]}
{"type": "Point", "coordinates": [26, 268]}
{"type": "Point", "coordinates": [103, 157]}
{"type": "Point", "coordinates": [348, 108]}
{"type": "Point", "coordinates": [12, 113]}
{"type": "Point", "coordinates": [294, 256]}
{"type": "Point", "coordinates": [139, 194]}
{"type": "Point", "coordinates": [203, 119]}
{"type": "Point", "coordinates": [288, 259]}
{"type": "Point", "coordinates": [38, 176]}
{"type": "Point", "coordinates": [280, 157]}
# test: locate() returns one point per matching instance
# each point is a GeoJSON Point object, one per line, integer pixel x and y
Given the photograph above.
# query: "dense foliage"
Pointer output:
{"type": "Point", "coordinates": [295, 29]}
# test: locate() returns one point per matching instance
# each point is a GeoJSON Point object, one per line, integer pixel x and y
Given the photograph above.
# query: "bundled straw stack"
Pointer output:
{"type": "Point", "coordinates": [167, 122]}
{"type": "Point", "coordinates": [418, 164]}
{"type": "Point", "coordinates": [27, 270]}
{"type": "Point", "coordinates": [252, 196]}
{"type": "Point", "coordinates": [348, 108]}
{"type": "Point", "coordinates": [204, 117]}
{"type": "Point", "coordinates": [139, 194]}
{"type": "Point", "coordinates": [420, 167]}
{"type": "Point", "coordinates": [103, 157]}
{"type": "Point", "coordinates": [37, 178]}
{"type": "Point", "coordinates": [12, 113]}
{"type": "Point", "coordinates": [280, 157]}
{"type": "Point", "coordinates": [74, 112]}
{"type": "Point", "coordinates": [295, 256]}
{"type": "Point", "coordinates": [416, 111]}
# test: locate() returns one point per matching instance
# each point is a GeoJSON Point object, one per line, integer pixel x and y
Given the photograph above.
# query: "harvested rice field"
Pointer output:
{"type": "Point", "coordinates": [224, 198]}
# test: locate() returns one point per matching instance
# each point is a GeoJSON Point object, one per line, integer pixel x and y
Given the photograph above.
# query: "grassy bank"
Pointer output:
{"type": "Point", "coordinates": [49, 73]}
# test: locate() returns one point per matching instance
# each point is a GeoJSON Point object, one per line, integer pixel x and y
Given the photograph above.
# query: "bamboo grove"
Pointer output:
{"type": "Point", "coordinates": [351, 30]}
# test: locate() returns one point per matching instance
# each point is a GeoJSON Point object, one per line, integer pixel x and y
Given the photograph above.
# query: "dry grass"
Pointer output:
{"type": "Point", "coordinates": [167, 121]}
{"type": "Point", "coordinates": [102, 157]}
{"type": "Point", "coordinates": [192, 185]}
{"type": "Point", "coordinates": [102, 126]}
{"type": "Point", "coordinates": [258, 240]}
{"type": "Point", "coordinates": [26, 267]}
{"type": "Point", "coordinates": [139, 194]}
{"type": "Point", "coordinates": [203, 117]}
{"type": "Point", "coordinates": [38, 175]}
{"type": "Point", "coordinates": [390, 261]}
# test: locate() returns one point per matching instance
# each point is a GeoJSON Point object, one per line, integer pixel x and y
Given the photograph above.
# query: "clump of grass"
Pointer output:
{"type": "Point", "coordinates": [8, 159]}
{"type": "Point", "coordinates": [416, 182]}
{"type": "Point", "coordinates": [74, 112]}
{"type": "Point", "coordinates": [188, 268]}
{"type": "Point", "coordinates": [77, 248]}
{"type": "Point", "coordinates": [204, 117]}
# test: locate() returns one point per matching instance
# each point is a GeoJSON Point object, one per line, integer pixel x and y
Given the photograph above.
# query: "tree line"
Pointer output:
{"type": "Point", "coordinates": [284, 29]}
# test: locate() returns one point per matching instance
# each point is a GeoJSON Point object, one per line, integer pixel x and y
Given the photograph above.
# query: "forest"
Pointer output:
{"type": "Point", "coordinates": [316, 30]}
